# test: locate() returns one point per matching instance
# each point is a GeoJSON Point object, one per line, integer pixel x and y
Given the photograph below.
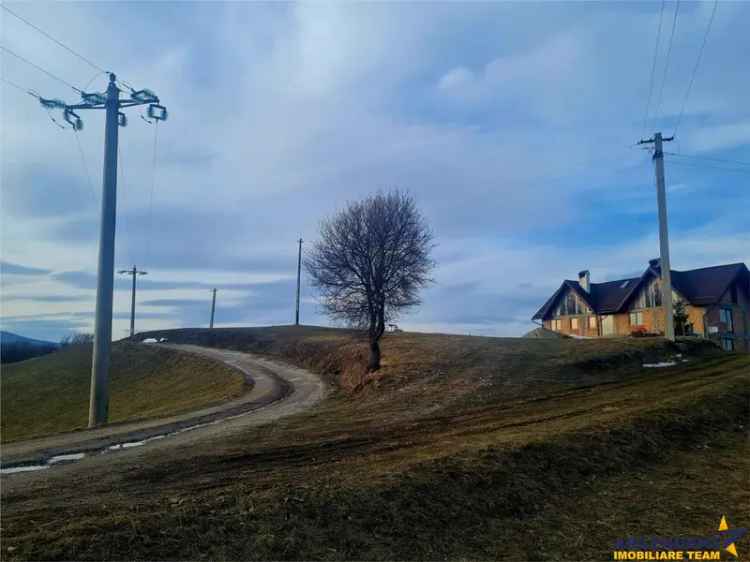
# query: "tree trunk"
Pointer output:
{"type": "Point", "coordinates": [374, 363]}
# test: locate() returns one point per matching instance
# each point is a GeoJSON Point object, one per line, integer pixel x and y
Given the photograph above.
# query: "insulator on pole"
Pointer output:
{"type": "Point", "coordinates": [52, 103]}
{"type": "Point", "coordinates": [144, 96]}
{"type": "Point", "coordinates": [94, 98]}
{"type": "Point", "coordinates": [122, 119]}
{"type": "Point", "coordinates": [73, 119]}
{"type": "Point", "coordinates": [158, 112]}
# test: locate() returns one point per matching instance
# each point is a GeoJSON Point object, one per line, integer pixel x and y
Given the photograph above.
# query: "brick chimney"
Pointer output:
{"type": "Point", "coordinates": [584, 280]}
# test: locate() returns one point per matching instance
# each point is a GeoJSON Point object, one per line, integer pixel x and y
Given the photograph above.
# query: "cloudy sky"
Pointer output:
{"type": "Point", "coordinates": [512, 124]}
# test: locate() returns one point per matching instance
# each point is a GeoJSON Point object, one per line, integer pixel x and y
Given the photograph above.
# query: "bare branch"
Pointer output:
{"type": "Point", "coordinates": [371, 261]}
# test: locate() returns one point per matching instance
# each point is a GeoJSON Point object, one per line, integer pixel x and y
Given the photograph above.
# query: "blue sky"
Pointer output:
{"type": "Point", "coordinates": [512, 124]}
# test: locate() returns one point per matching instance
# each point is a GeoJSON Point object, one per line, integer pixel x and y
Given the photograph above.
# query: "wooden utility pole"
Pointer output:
{"type": "Point", "coordinates": [213, 307]}
{"type": "Point", "coordinates": [134, 272]}
{"type": "Point", "coordinates": [661, 198]}
{"type": "Point", "coordinates": [299, 275]}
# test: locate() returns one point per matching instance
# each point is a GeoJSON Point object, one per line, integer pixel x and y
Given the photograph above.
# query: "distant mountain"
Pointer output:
{"type": "Point", "coordinates": [11, 338]}
{"type": "Point", "coordinates": [15, 348]}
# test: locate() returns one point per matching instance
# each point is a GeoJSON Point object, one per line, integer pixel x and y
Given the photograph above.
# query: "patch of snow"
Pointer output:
{"type": "Point", "coordinates": [150, 340]}
{"type": "Point", "coordinates": [162, 340]}
{"type": "Point", "coordinates": [659, 365]}
{"type": "Point", "coordinates": [27, 468]}
{"type": "Point", "coordinates": [66, 458]}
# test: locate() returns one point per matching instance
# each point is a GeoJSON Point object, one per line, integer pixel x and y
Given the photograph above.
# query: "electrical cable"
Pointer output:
{"type": "Point", "coordinates": [123, 195]}
{"type": "Point", "coordinates": [94, 77]}
{"type": "Point", "coordinates": [653, 68]}
{"type": "Point", "coordinates": [701, 165]}
{"type": "Point", "coordinates": [708, 158]}
{"type": "Point", "coordinates": [48, 36]}
{"type": "Point", "coordinates": [695, 68]}
{"type": "Point", "coordinates": [47, 72]}
{"type": "Point", "coordinates": [85, 166]}
{"type": "Point", "coordinates": [666, 64]}
{"type": "Point", "coordinates": [21, 88]}
{"type": "Point", "coordinates": [151, 195]}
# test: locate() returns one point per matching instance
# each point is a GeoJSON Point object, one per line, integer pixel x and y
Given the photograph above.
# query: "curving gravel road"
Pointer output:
{"type": "Point", "coordinates": [278, 390]}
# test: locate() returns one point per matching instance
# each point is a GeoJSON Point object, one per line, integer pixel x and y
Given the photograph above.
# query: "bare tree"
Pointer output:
{"type": "Point", "coordinates": [372, 259]}
{"type": "Point", "coordinates": [77, 339]}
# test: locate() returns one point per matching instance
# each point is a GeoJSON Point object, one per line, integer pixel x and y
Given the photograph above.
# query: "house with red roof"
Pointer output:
{"type": "Point", "coordinates": [716, 301]}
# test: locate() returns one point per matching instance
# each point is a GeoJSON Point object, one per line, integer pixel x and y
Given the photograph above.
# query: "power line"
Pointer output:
{"type": "Point", "coordinates": [702, 165]}
{"type": "Point", "coordinates": [21, 88]}
{"type": "Point", "coordinates": [39, 68]}
{"type": "Point", "coordinates": [708, 158]}
{"type": "Point", "coordinates": [94, 77]}
{"type": "Point", "coordinates": [48, 36]}
{"type": "Point", "coordinates": [85, 166]}
{"type": "Point", "coordinates": [122, 190]}
{"type": "Point", "coordinates": [669, 54]}
{"type": "Point", "coordinates": [653, 67]}
{"type": "Point", "coordinates": [695, 68]}
{"type": "Point", "coordinates": [151, 195]}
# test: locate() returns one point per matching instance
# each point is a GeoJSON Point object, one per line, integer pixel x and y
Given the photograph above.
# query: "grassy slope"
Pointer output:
{"type": "Point", "coordinates": [461, 448]}
{"type": "Point", "coordinates": [50, 394]}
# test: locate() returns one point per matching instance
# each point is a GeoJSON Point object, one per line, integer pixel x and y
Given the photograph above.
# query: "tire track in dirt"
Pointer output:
{"type": "Point", "coordinates": [278, 390]}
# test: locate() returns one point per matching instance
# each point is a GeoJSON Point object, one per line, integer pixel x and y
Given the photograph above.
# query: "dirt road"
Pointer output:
{"type": "Point", "coordinates": [278, 390]}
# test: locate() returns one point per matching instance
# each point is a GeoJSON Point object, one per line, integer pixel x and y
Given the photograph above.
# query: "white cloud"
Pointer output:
{"type": "Point", "coordinates": [502, 119]}
{"type": "Point", "coordinates": [726, 136]}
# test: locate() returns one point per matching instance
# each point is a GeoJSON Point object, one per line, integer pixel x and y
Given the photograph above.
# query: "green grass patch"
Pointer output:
{"type": "Point", "coordinates": [50, 394]}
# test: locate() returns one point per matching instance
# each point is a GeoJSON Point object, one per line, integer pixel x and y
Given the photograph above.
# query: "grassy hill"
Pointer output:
{"type": "Point", "coordinates": [14, 348]}
{"type": "Point", "coordinates": [460, 448]}
{"type": "Point", "coordinates": [50, 394]}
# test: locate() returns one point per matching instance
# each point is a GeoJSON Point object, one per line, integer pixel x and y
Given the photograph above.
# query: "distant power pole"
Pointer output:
{"type": "Point", "coordinates": [213, 307]}
{"type": "Point", "coordinates": [299, 275]}
{"type": "Point", "coordinates": [661, 197]}
{"type": "Point", "coordinates": [111, 103]}
{"type": "Point", "coordinates": [134, 272]}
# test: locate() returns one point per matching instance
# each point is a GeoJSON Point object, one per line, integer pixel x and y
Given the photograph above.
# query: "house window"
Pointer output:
{"type": "Point", "coordinates": [649, 296]}
{"type": "Point", "coordinates": [654, 295]}
{"type": "Point", "coordinates": [727, 344]}
{"type": "Point", "coordinates": [592, 322]}
{"type": "Point", "coordinates": [725, 316]}
{"type": "Point", "coordinates": [636, 318]}
{"type": "Point", "coordinates": [557, 325]}
{"type": "Point", "coordinates": [574, 323]}
{"type": "Point", "coordinates": [572, 304]}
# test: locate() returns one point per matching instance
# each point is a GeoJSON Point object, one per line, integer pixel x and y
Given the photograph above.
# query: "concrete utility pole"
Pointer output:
{"type": "Point", "coordinates": [213, 307]}
{"type": "Point", "coordinates": [135, 271]}
{"type": "Point", "coordinates": [111, 103]}
{"type": "Point", "coordinates": [299, 275]}
{"type": "Point", "coordinates": [661, 197]}
{"type": "Point", "coordinates": [99, 397]}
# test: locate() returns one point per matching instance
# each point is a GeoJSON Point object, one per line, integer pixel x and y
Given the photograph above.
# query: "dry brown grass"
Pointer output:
{"type": "Point", "coordinates": [462, 449]}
